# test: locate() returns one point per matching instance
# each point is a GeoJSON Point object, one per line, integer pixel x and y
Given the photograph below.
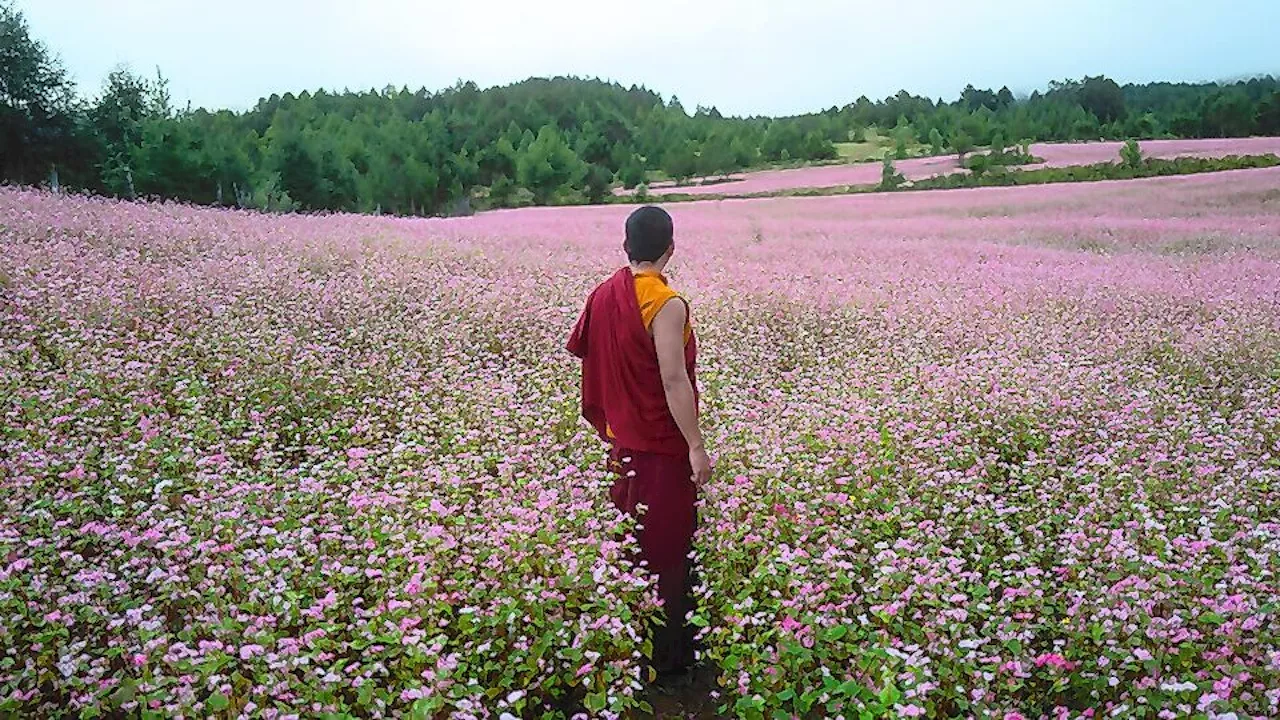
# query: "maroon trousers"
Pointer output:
{"type": "Point", "coordinates": [662, 485]}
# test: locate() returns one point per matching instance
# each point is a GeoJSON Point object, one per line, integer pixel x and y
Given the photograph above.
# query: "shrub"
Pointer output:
{"type": "Point", "coordinates": [1131, 154]}
{"type": "Point", "coordinates": [890, 178]}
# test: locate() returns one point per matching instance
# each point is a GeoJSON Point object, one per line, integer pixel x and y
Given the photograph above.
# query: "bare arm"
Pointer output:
{"type": "Point", "coordinates": [668, 337]}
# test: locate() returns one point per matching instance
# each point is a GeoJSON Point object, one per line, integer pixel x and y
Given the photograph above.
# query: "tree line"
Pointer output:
{"type": "Point", "coordinates": [541, 141]}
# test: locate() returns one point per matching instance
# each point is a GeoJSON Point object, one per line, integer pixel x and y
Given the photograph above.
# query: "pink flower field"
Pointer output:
{"type": "Point", "coordinates": [1054, 154]}
{"type": "Point", "coordinates": [1008, 452]}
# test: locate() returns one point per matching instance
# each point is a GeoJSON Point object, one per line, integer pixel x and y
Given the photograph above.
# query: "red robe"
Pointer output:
{"type": "Point", "coordinates": [621, 381]}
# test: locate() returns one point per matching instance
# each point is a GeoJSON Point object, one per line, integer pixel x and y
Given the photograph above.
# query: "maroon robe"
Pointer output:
{"type": "Point", "coordinates": [621, 382]}
{"type": "Point", "coordinates": [622, 393]}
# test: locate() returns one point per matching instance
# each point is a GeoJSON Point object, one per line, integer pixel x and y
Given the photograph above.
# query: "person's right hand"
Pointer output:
{"type": "Point", "coordinates": [701, 464]}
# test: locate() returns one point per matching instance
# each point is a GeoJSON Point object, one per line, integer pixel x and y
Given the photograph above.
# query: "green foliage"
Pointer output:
{"type": "Point", "coordinates": [1100, 96]}
{"type": "Point", "coordinates": [900, 148]}
{"type": "Point", "coordinates": [681, 161]}
{"type": "Point", "coordinates": [38, 108]}
{"type": "Point", "coordinates": [1131, 154]}
{"type": "Point", "coordinates": [632, 172]}
{"type": "Point", "coordinates": [1229, 113]}
{"type": "Point", "coordinates": [817, 147]}
{"type": "Point", "coordinates": [935, 142]}
{"type": "Point", "coordinates": [271, 196]}
{"type": "Point", "coordinates": [1267, 118]}
{"type": "Point", "coordinates": [597, 183]}
{"type": "Point", "coordinates": [549, 167]}
{"type": "Point", "coordinates": [717, 156]}
{"type": "Point", "coordinates": [979, 164]}
{"type": "Point", "coordinates": [502, 191]}
{"type": "Point", "coordinates": [782, 141]}
{"type": "Point", "coordinates": [890, 178]}
{"type": "Point", "coordinates": [997, 143]}
{"type": "Point", "coordinates": [961, 143]}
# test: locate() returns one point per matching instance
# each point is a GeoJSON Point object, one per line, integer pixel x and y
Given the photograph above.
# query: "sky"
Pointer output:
{"type": "Point", "coordinates": [746, 57]}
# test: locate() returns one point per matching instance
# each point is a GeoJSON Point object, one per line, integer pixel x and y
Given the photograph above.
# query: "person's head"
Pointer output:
{"type": "Point", "coordinates": [650, 236]}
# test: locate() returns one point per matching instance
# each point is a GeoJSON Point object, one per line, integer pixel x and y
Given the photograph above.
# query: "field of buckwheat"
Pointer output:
{"type": "Point", "coordinates": [1008, 452]}
{"type": "Point", "coordinates": [1053, 154]}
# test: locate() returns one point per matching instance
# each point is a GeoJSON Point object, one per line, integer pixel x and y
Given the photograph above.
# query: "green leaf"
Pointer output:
{"type": "Point", "coordinates": [595, 702]}
{"type": "Point", "coordinates": [850, 688]}
{"type": "Point", "coordinates": [424, 708]}
{"type": "Point", "coordinates": [1212, 618]}
{"type": "Point", "coordinates": [125, 693]}
{"type": "Point", "coordinates": [218, 702]}
{"type": "Point", "coordinates": [833, 634]}
{"type": "Point", "coordinates": [1015, 646]}
{"type": "Point", "coordinates": [786, 695]}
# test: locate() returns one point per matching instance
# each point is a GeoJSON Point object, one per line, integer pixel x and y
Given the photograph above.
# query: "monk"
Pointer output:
{"type": "Point", "coordinates": [640, 393]}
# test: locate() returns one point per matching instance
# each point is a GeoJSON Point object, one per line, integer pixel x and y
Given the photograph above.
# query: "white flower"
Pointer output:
{"type": "Point", "coordinates": [1178, 687]}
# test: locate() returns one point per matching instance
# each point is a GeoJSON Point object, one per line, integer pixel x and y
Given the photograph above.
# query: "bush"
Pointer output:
{"type": "Point", "coordinates": [890, 178]}
{"type": "Point", "coordinates": [979, 164]}
{"type": "Point", "coordinates": [961, 144]}
{"type": "Point", "coordinates": [501, 191]}
{"type": "Point", "coordinates": [935, 142]}
{"type": "Point", "coordinates": [900, 148]}
{"type": "Point", "coordinates": [632, 173]}
{"type": "Point", "coordinates": [598, 181]}
{"type": "Point", "coordinates": [1131, 154]}
{"type": "Point", "coordinates": [817, 147]}
{"type": "Point", "coordinates": [522, 197]}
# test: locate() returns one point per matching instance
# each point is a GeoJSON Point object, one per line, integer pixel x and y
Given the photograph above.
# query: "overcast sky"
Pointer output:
{"type": "Point", "coordinates": [743, 56]}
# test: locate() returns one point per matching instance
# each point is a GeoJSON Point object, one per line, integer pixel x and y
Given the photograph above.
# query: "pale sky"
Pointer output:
{"type": "Point", "coordinates": [743, 56]}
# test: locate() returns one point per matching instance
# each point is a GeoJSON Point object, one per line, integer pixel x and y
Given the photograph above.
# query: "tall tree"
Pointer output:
{"type": "Point", "coordinates": [37, 104]}
{"type": "Point", "coordinates": [1102, 97]}
{"type": "Point", "coordinates": [681, 161]}
{"type": "Point", "coordinates": [717, 155]}
{"type": "Point", "coordinates": [549, 166]}
{"type": "Point", "coordinates": [118, 118]}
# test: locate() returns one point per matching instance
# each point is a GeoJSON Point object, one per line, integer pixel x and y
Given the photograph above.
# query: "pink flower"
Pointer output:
{"type": "Point", "coordinates": [415, 585]}
{"type": "Point", "coordinates": [250, 651]}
